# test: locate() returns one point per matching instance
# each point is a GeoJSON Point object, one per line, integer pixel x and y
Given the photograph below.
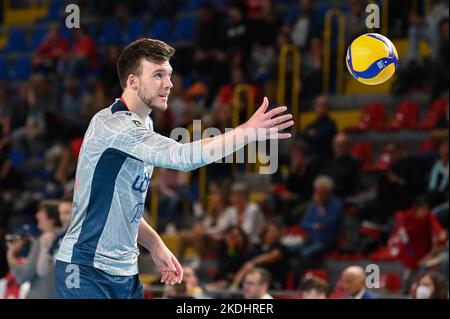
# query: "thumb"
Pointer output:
{"type": "Point", "coordinates": [265, 104]}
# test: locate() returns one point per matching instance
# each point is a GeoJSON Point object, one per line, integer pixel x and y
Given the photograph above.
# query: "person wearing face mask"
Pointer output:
{"type": "Point", "coordinates": [430, 285]}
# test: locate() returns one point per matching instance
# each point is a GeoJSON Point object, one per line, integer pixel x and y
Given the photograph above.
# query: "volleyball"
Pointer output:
{"type": "Point", "coordinates": [372, 59]}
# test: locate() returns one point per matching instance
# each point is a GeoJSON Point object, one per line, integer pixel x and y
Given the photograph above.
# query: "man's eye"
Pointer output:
{"type": "Point", "coordinates": [159, 75]}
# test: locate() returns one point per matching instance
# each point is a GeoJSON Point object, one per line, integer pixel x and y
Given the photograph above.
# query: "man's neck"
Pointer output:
{"type": "Point", "coordinates": [135, 105]}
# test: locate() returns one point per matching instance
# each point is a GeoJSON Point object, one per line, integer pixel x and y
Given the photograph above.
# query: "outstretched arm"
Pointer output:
{"type": "Point", "coordinates": [122, 133]}
{"type": "Point", "coordinates": [171, 270]}
{"type": "Point", "coordinates": [260, 127]}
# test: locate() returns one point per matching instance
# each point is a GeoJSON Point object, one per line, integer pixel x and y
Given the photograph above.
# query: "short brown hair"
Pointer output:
{"type": "Point", "coordinates": [129, 61]}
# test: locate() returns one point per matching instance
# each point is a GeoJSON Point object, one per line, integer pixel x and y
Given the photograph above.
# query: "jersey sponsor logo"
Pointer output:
{"type": "Point", "coordinates": [138, 123]}
{"type": "Point", "coordinates": [141, 185]}
{"type": "Point", "coordinates": [138, 211]}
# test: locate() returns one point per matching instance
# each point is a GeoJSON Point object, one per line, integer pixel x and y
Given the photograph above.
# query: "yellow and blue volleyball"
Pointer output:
{"type": "Point", "coordinates": [372, 59]}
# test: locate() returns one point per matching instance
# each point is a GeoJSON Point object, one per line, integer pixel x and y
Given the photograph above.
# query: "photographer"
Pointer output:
{"type": "Point", "coordinates": [41, 287]}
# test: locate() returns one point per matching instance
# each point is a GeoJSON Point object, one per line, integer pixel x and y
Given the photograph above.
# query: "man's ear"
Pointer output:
{"type": "Point", "coordinates": [133, 82]}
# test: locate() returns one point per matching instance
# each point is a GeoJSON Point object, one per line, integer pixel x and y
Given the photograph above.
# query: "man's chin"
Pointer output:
{"type": "Point", "coordinates": [158, 107]}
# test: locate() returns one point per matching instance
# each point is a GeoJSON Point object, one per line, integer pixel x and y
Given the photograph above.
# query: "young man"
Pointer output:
{"type": "Point", "coordinates": [98, 255]}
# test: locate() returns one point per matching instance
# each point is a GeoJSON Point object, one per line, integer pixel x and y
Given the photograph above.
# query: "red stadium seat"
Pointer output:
{"type": "Point", "coordinates": [406, 116]}
{"type": "Point", "coordinates": [435, 111]}
{"type": "Point", "coordinates": [373, 117]}
{"type": "Point", "coordinates": [391, 281]}
{"type": "Point", "coordinates": [427, 146]}
{"type": "Point", "coordinates": [364, 152]}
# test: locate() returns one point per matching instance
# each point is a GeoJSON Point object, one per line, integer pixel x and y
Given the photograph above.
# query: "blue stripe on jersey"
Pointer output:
{"type": "Point", "coordinates": [100, 199]}
{"type": "Point", "coordinates": [118, 106]}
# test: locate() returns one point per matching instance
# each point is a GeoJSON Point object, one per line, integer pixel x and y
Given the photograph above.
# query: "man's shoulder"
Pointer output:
{"type": "Point", "coordinates": [120, 118]}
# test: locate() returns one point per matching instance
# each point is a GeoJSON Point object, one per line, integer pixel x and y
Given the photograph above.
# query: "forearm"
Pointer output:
{"type": "Point", "coordinates": [267, 258]}
{"type": "Point", "coordinates": [12, 260]}
{"type": "Point", "coordinates": [218, 147]}
{"type": "Point", "coordinates": [147, 236]}
{"type": "Point", "coordinates": [43, 263]}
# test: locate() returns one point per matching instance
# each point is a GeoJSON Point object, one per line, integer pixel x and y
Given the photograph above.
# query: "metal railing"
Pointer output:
{"type": "Point", "coordinates": [235, 109]}
{"type": "Point", "coordinates": [296, 82]}
{"type": "Point", "coordinates": [340, 51]}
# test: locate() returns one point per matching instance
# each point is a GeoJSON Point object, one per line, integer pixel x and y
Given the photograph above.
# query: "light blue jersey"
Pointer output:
{"type": "Point", "coordinates": [114, 169]}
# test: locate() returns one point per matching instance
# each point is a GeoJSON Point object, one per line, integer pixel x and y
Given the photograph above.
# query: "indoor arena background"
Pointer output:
{"type": "Point", "coordinates": [385, 147]}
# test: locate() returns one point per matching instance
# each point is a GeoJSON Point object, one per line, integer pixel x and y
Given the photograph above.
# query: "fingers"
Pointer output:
{"type": "Point", "coordinates": [177, 265]}
{"type": "Point", "coordinates": [280, 119]}
{"type": "Point", "coordinates": [275, 111]}
{"type": "Point", "coordinates": [173, 273]}
{"type": "Point", "coordinates": [282, 136]}
{"type": "Point", "coordinates": [284, 125]}
{"type": "Point", "coordinates": [265, 104]}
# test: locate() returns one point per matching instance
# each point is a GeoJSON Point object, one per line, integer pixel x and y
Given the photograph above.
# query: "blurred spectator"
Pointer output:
{"type": "Point", "coordinates": [307, 25]}
{"type": "Point", "coordinates": [209, 29]}
{"type": "Point", "coordinates": [244, 213]}
{"type": "Point", "coordinates": [192, 285]}
{"type": "Point", "coordinates": [256, 284]}
{"type": "Point", "coordinates": [108, 73]}
{"type": "Point", "coordinates": [343, 168]}
{"type": "Point", "coordinates": [298, 189]}
{"type": "Point", "coordinates": [404, 180]}
{"type": "Point", "coordinates": [268, 255]}
{"type": "Point", "coordinates": [50, 241]}
{"type": "Point", "coordinates": [178, 291]}
{"type": "Point", "coordinates": [354, 283]}
{"type": "Point", "coordinates": [356, 20]}
{"type": "Point", "coordinates": [438, 181]}
{"type": "Point", "coordinates": [225, 95]}
{"type": "Point", "coordinates": [94, 101]}
{"type": "Point", "coordinates": [205, 234]}
{"type": "Point", "coordinates": [427, 28]}
{"type": "Point", "coordinates": [319, 134]}
{"type": "Point", "coordinates": [430, 285]}
{"type": "Point", "coordinates": [237, 32]}
{"type": "Point", "coordinates": [263, 62]}
{"type": "Point", "coordinates": [322, 222]}
{"type": "Point", "coordinates": [177, 102]}
{"type": "Point", "coordinates": [41, 287]}
{"type": "Point", "coordinates": [173, 189]}
{"type": "Point", "coordinates": [440, 129]}
{"type": "Point", "coordinates": [5, 116]}
{"type": "Point", "coordinates": [264, 27]}
{"type": "Point", "coordinates": [52, 48]}
{"type": "Point", "coordinates": [71, 101]}
{"type": "Point", "coordinates": [314, 288]}
{"type": "Point", "coordinates": [82, 56]}
{"type": "Point", "coordinates": [41, 102]}
{"type": "Point", "coordinates": [311, 70]}
{"type": "Point", "coordinates": [234, 251]}
{"type": "Point", "coordinates": [421, 235]}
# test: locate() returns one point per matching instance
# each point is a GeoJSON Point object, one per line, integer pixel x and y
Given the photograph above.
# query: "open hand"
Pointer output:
{"type": "Point", "coordinates": [267, 125]}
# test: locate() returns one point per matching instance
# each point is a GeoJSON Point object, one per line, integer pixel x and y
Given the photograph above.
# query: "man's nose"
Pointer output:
{"type": "Point", "coordinates": [168, 84]}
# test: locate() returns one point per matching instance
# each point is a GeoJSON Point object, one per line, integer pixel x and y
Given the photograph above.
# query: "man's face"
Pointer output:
{"type": "Point", "coordinates": [321, 194]}
{"type": "Point", "coordinates": [65, 213]}
{"type": "Point", "coordinates": [154, 84]}
{"type": "Point", "coordinates": [352, 284]}
{"type": "Point", "coordinates": [253, 289]}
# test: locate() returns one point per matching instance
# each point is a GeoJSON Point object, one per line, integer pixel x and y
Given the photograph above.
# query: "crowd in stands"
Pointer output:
{"type": "Point", "coordinates": [319, 203]}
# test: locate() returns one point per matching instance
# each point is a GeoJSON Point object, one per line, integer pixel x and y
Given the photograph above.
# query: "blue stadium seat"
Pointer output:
{"type": "Point", "coordinates": [184, 29]}
{"type": "Point", "coordinates": [3, 70]}
{"type": "Point", "coordinates": [290, 16]}
{"type": "Point", "coordinates": [37, 37]}
{"type": "Point", "coordinates": [21, 69]}
{"type": "Point", "coordinates": [135, 30]}
{"type": "Point", "coordinates": [109, 34]}
{"type": "Point", "coordinates": [160, 29]}
{"type": "Point", "coordinates": [16, 40]}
